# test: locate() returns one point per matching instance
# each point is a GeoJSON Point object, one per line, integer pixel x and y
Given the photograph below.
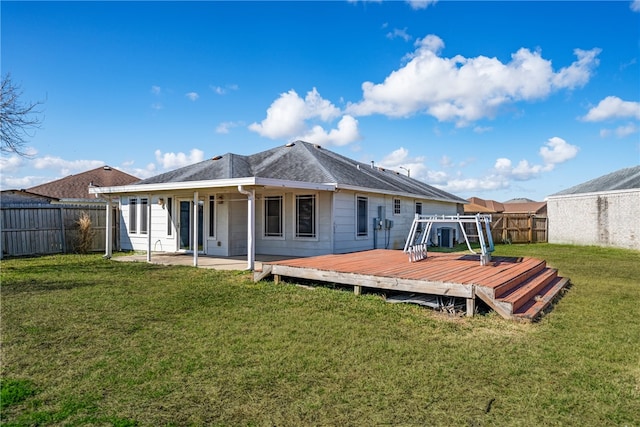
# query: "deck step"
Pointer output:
{"type": "Point", "coordinates": [504, 288]}
{"type": "Point", "coordinates": [529, 289]}
{"type": "Point", "coordinates": [531, 310]}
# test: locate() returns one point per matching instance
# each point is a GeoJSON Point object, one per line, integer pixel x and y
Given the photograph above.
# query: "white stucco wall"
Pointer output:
{"type": "Point", "coordinates": [601, 219]}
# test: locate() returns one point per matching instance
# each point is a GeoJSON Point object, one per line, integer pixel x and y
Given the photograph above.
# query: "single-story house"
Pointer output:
{"type": "Point", "coordinates": [297, 199]}
{"type": "Point", "coordinates": [603, 211]}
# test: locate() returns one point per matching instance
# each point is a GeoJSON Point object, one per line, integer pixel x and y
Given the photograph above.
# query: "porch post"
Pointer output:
{"type": "Point", "coordinates": [251, 226]}
{"type": "Point", "coordinates": [108, 246]}
{"type": "Point", "coordinates": [195, 228]}
{"type": "Point", "coordinates": [149, 228]}
{"type": "Point", "coordinates": [251, 231]}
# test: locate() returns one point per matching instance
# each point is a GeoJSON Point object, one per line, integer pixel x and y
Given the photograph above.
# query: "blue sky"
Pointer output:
{"type": "Point", "coordinates": [497, 100]}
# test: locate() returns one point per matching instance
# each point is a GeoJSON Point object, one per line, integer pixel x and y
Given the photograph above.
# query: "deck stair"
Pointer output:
{"type": "Point", "coordinates": [524, 296]}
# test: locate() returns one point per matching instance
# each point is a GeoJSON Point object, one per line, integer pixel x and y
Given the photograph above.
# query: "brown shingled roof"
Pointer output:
{"type": "Point", "coordinates": [478, 205]}
{"type": "Point", "coordinates": [77, 186]}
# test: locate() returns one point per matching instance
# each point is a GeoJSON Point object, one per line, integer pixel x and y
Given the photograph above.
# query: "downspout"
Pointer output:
{"type": "Point", "coordinates": [251, 216]}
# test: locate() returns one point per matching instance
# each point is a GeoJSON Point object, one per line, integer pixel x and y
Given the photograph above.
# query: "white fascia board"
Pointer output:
{"type": "Point", "coordinates": [282, 183]}
{"type": "Point", "coordinates": [398, 193]}
{"type": "Point", "coordinates": [595, 193]}
{"type": "Point", "coordinates": [170, 186]}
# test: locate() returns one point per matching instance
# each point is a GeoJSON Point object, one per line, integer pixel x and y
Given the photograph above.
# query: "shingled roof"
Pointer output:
{"type": "Point", "coordinates": [303, 162]}
{"type": "Point", "coordinates": [623, 179]}
{"type": "Point", "coordinates": [77, 186]}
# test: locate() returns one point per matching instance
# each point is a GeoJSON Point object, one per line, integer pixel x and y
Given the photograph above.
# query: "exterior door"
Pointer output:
{"type": "Point", "coordinates": [185, 225]}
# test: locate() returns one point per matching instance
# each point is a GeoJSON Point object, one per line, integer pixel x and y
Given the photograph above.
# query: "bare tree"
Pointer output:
{"type": "Point", "coordinates": [18, 121]}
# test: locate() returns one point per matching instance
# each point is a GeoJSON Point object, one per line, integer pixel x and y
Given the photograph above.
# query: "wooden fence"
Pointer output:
{"type": "Point", "coordinates": [516, 228]}
{"type": "Point", "coordinates": [49, 229]}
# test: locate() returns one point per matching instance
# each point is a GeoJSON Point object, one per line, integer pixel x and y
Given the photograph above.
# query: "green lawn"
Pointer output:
{"type": "Point", "coordinates": [86, 341]}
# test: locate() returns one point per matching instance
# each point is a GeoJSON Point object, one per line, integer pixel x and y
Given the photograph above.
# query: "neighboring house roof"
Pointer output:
{"type": "Point", "coordinates": [298, 162]}
{"type": "Point", "coordinates": [22, 197]}
{"type": "Point", "coordinates": [478, 205]}
{"type": "Point", "coordinates": [623, 179]}
{"type": "Point", "coordinates": [77, 186]}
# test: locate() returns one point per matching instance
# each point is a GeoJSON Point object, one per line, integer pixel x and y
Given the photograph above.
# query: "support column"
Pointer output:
{"type": "Point", "coordinates": [108, 246]}
{"type": "Point", "coordinates": [195, 229]}
{"type": "Point", "coordinates": [471, 302]}
{"type": "Point", "coordinates": [251, 226]}
{"type": "Point", "coordinates": [149, 228]}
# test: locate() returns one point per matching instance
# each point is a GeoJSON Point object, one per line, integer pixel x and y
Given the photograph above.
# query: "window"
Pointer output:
{"type": "Point", "coordinates": [362, 222]}
{"type": "Point", "coordinates": [138, 221]}
{"type": "Point", "coordinates": [396, 206]}
{"type": "Point", "coordinates": [144, 219]}
{"type": "Point", "coordinates": [133, 215]}
{"type": "Point", "coordinates": [419, 208]}
{"type": "Point", "coordinates": [169, 207]}
{"type": "Point", "coordinates": [306, 216]}
{"type": "Point", "coordinates": [273, 216]}
{"type": "Point", "coordinates": [212, 216]}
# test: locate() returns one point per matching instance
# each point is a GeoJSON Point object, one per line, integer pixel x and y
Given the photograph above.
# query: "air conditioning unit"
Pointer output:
{"type": "Point", "coordinates": [445, 237]}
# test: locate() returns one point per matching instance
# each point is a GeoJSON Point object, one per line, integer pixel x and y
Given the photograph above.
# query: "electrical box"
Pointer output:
{"type": "Point", "coordinates": [388, 224]}
{"type": "Point", "coordinates": [377, 224]}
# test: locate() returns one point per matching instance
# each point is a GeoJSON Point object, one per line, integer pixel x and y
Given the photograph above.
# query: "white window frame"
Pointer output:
{"type": "Point", "coordinates": [397, 206]}
{"type": "Point", "coordinates": [133, 215]}
{"type": "Point", "coordinates": [314, 197]}
{"type": "Point", "coordinates": [138, 214]}
{"type": "Point", "coordinates": [360, 235]}
{"type": "Point", "coordinates": [212, 218]}
{"type": "Point", "coordinates": [264, 217]}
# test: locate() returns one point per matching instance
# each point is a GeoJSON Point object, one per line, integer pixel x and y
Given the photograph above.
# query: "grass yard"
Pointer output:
{"type": "Point", "coordinates": [86, 341]}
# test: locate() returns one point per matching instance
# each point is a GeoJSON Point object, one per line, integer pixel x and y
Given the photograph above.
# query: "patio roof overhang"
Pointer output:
{"type": "Point", "coordinates": [217, 183]}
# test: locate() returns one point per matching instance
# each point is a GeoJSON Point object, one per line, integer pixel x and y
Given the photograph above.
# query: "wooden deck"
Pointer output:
{"type": "Point", "coordinates": [516, 288]}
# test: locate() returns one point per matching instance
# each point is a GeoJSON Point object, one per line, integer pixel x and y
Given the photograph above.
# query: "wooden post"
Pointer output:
{"type": "Point", "coordinates": [276, 279]}
{"type": "Point", "coordinates": [63, 233]}
{"type": "Point", "coordinates": [531, 228]}
{"type": "Point", "coordinates": [357, 290]}
{"type": "Point", "coordinates": [471, 302]}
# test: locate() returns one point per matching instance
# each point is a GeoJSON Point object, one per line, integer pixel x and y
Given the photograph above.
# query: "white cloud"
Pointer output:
{"type": "Point", "coordinates": [613, 107]}
{"type": "Point", "coordinates": [223, 90]}
{"type": "Point", "coordinates": [557, 150]}
{"type": "Point", "coordinates": [620, 131]}
{"type": "Point", "coordinates": [157, 106]}
{"type": "Point", "coordinates": [156, 90]}
{"type": "Point", "coordinates": [421, 4]}
{"type": "Point", "coordinates": [400, 161]}
{"type": "Point", "coordinates": [290, 117]}
{"type": "Point", "coordinates": [11, 164]}
{"type": "Point", "coordinates": [142, 173]}
{"type": "Point", "coordinates": [397, 33]}
{"type": "Point", "coordinates": [65, 167]}
{"type": "Point", "coordinates": [345, 133]}
{"type": "Point", "coordinates": [177, 160]}
{"type": "Point", "coordinates": [193, 96]}
{"type": "Point", "coordinates": [635, 5]}
{"type": "Point", "coordinates": [627, 130]}
{"type": "Point", "coordinates": [464, 90]}
{"type": "Point", "coordinates": [225, 127]}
